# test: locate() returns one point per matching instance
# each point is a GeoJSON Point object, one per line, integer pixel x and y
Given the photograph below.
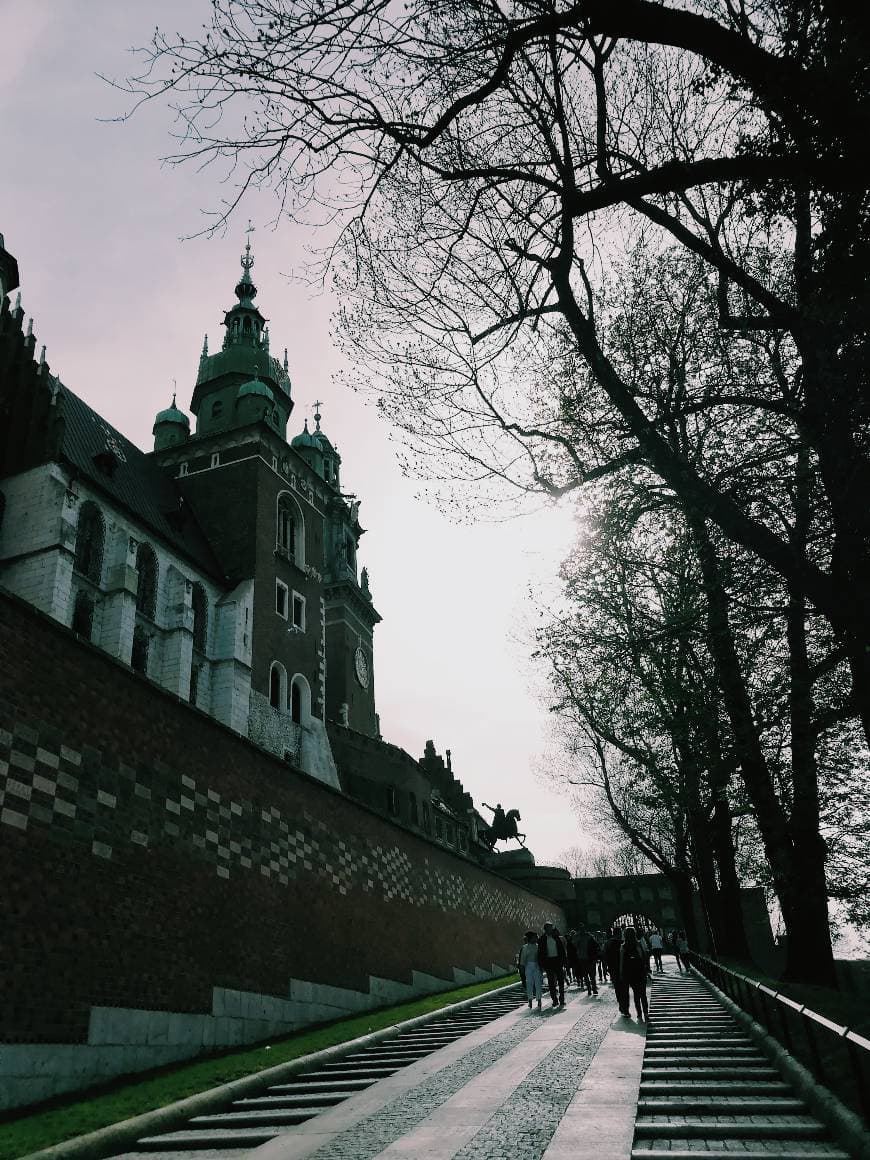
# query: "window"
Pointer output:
{"type": "Point", "coordinates": [146, 592]}
{"type": "Point", "coordinates": [139, 656]}
{"type": "Point", "coordinates": [281, 596]}
{"type": "Point", "coordinates": [412, 806]}
{"type": "Point", "coordinates": [392, 799]}
{"type": "Point", "coordinates": [182, 469]}
{"type": "Point", "coordinates": [427, 818]}
{"type": "Point", "coordinates": [194, 682]}
{"type": "Point", "coordinates": [298, 612]}
{"type": "Point", "coordinates": [215, 459]}
{"type": "Point", "coordinates": [217, 409]}
{"type": "Point", "coordinates": [290, 528]}
{"type": "Point", "coordinates": [439, 826]}
{"type": "Point", "coordinates": [90, 539]}
{"type": "Point", "coordinates": [278, 686]}
{"type": "Point", "coordinates": [83, 615]}
{"type": "Point", "coordinates": [199, 604]}
{"type": "Point", "coordinates": [300, 700]}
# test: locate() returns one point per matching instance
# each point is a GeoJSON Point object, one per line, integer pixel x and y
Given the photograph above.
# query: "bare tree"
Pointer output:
{"type": "Point", "coordinates": [486, 156]}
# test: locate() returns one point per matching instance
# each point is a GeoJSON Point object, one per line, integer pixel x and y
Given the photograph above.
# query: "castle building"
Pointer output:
{"type": "Point", "coordinates": [221, 565]}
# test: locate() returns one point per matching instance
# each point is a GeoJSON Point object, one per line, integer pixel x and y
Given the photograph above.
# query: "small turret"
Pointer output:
{"type": "Point", "coordinates": [171, 427]}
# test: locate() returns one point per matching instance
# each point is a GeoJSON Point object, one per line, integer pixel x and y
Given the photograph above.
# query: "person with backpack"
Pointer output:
{"type": "Point", "coordinates": [633, 970]}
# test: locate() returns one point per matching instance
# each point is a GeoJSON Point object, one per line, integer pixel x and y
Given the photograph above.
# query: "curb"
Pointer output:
{"type": "Point", "coordinates": [112, 1139]}
{"type": "Point", "coordinates": [847, 1128]}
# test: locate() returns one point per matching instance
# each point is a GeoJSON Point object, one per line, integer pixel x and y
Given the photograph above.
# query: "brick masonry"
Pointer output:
{"type": "Point", "coordinates": [154, 861]}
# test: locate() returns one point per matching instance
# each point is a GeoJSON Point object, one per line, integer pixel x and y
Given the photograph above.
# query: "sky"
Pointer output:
{"type": "Point", "coordinates": [122, 302]}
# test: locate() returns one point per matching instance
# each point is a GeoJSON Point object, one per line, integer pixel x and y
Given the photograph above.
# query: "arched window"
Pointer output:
{"type": "Point", "coordinates": [217, 409]}
{"type": "Point", "coordinates": [278, 686]}
{"type": "Point", "coordinates": [83, 615]}
{"type": "Point", "coordinates": [139, 656]}
{"type": "Point", "coordinates": [199, 604]}
{"type": "Point", "coordinates": [291, 528]}
{"type": "Point", "coordinates": [300, 700]}
{"type": "Point", "coordinates": [146, 593]}
{"type": "Point", "coordinates": [194, 682]}
{"type": "Point", "coordinates": [90, 540]}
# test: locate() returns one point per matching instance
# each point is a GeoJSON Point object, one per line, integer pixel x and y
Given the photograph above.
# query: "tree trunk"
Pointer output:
{"type": "Point", "coordinates": [810, 925]}
{"type": "Point", "coordinates": [733, 938]}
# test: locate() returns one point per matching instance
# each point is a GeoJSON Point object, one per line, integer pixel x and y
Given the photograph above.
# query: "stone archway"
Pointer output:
{"type": "Point", "coordinates": [601, 901]}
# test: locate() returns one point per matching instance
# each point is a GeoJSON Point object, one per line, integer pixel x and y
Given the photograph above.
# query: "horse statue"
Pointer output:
{"type": "Point", "coordinates": [503, 828]}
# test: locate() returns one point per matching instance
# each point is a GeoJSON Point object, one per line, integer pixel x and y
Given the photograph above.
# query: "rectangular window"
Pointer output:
{"type": "Point", "coordinates": [281, 591]}
{"type": "Point", "coordinates": [298, 611]}
{"type": "Point", "coordinates": [215, 459]}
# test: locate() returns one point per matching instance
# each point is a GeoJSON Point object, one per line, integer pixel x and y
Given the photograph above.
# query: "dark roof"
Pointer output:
{"type": "Point", "coordinates": [131, 479]}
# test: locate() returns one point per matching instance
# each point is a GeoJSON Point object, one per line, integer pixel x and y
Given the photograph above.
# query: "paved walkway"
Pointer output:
{"type": "Point", "coordinates": [530, 1086]}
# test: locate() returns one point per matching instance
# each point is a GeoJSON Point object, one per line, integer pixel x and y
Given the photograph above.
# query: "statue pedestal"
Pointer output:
{"type": "Point", "coordinates": [507, 861]}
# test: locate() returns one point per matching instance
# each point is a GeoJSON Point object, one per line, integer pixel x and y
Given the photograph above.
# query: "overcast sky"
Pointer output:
{"type": "Point", "coordinates": [122, 303]}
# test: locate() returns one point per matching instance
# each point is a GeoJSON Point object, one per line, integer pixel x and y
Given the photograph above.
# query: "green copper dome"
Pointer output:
{"type": "Point", "coordinates": [172, 415]}
{"type": "Point", "coordinates": [255, 387]}
{"type": "Point", "coordinates": [305, 439]}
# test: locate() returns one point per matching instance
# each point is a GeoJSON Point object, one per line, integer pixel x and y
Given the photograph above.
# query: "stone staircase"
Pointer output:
{"type": "Point", "coordinates": [707, 1090]}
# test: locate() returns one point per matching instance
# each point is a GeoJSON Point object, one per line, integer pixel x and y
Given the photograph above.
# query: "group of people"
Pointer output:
{"type": "Point", "coordinates": [623, 957]}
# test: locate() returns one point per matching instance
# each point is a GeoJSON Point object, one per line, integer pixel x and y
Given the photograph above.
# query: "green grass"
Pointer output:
{"type": "Point", "coordinates": [125, 1098]}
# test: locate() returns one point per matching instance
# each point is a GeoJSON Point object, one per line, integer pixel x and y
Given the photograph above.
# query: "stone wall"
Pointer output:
{"type": "Point", "coordinates": [169, 888]}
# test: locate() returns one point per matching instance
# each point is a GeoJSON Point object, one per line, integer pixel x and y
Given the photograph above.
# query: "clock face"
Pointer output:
{"type": "Point", "coordinates": [361, 667]}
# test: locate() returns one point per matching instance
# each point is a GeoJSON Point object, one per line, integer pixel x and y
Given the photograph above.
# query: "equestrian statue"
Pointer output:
{"type": "Point", "coordinates": [503, 828]}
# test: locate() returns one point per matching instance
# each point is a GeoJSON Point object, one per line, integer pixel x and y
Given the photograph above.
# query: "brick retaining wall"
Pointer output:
{"type": "Point", "coordinates": [169, 887]}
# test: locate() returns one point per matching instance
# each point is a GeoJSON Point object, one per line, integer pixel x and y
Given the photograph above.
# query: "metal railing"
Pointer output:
{"type": "Point", "coordinates": [837, 1057]}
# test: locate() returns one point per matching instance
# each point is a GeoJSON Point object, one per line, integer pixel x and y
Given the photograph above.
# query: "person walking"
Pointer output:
{"type": "Point", "coordinates": [610, 956]}
{"type": "Point", "coordinates": [681, 949]}
{"type": "Point", "coordinates": [633, 970]}
{"type": "Point", "coordinates": [552, 957]}
{"type": "Point", "coordinates": [656, 945]}
{"type": "Point", "coordinates": [586, 950]}
{"type": "Point", "coordinates": [530, 968]}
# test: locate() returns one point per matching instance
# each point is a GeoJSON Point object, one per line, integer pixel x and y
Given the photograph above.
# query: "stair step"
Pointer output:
{"type": "Point", "coordinates": [219, 1138]}
{"type": "Point", "coordinates": [320, 1085]}
{"type": "Point", "coordinates": [254, 1119]}
{"type": "Point", "coordinates": [714, 1087]}
{"type": "Point", "coordinates": [668, 1059]}
{"type": "Point", "coordinates": [819, 1151]}
{"type": "Point", "coordinates": [786, 1128]}
{"type": "Point", "coordinates": [301, 1100]}
{"type": "Point", "coordinates": [696, 1073]}
{"type": "Point", "coordinates": [725, 1105]}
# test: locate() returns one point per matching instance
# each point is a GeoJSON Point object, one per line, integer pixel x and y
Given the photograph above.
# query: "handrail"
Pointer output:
{"type": "Point", "coordinates": [837, 1056]}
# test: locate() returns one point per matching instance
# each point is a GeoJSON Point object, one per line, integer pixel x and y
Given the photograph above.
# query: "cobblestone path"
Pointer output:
{"type": "Point", "coordinates": [530, 1116]}
{"type": "Point", "coordinates": [370, 1136]}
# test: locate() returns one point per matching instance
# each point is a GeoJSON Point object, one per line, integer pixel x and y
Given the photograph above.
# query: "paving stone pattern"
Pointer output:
{"type": "Point", "coordinates": [530, 1116]}
{"type": "Point", "coordinates": [106, 804]}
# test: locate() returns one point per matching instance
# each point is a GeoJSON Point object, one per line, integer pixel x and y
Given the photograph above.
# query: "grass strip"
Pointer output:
{"type": "Point", "coordinates": [127, 1097]}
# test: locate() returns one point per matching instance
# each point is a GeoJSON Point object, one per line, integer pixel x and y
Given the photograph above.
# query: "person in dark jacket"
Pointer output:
{"type": "Point", "coordinates": [633, 970]}
{"type": "Point", "coordinates": [610, 954]}
{"type": "Point", "coordinates": [552, 957]}
{"type": "Point", "coordinates": [586, 950]}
